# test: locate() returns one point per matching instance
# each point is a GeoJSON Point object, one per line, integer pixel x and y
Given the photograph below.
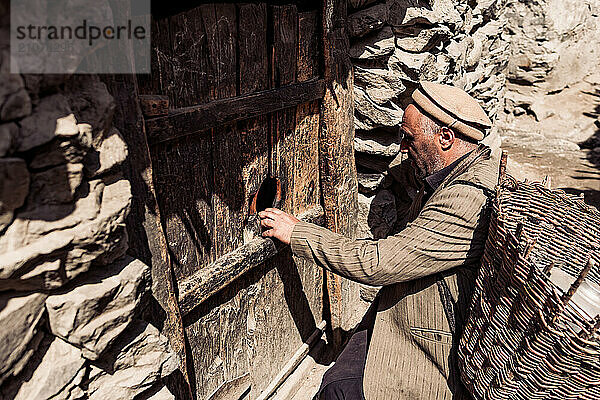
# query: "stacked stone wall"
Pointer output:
{"type": "Point", "coordinates": [394, 45]}
{"type": "Point", "coordinates": [71, 300]}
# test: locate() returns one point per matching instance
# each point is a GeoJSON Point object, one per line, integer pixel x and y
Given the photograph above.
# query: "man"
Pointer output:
{"type": "Point", "coordinates": [427, 270]}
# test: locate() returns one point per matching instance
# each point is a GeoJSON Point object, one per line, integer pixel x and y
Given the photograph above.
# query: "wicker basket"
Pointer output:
{"type": "Point", "coordinates": [525, 338]}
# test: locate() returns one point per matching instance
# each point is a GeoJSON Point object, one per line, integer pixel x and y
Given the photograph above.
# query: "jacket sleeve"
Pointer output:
{"type": "Point", "coordinates": [449, 232]}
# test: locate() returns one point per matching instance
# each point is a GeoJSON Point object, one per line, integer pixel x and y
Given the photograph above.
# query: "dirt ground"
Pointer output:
{"type": "Point", "coordinates": [558, 136]}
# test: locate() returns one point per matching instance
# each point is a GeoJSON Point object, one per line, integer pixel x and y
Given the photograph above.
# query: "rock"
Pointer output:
{"type": "Point", "coordinates": [143, 356]}
{"type": "Point", "coordinates": [381, 85]}
{"type": "Point", "coordinates": [434, 12]}
{"type": "Point", "coordinates": [91, 103]}
{"type": "Point", "coordinates": [364, 21]}
{"type": "Point", "coordinates": [56, 185]}
{"type": "Point", "coordinates": [14, 186]}
{"type": "Point", "coordinates": [56, 368]}
{"type": "Point", "coordinates": [379, 44]}
{"type": "Point", "coordinates": [369, 183]}
{"type": "Point", "coordinates": [92, 315]}
{"type": "Point", "coordinates": [410, 63]}
{"type": "Point", "coordinates": [112, 153]}
{"type": "Point", "coordinates": [11, 83]}
{"type": "Point", "coordinates": [19, 317]}
{"type": "Point", "coordinates": [61, 151]}
{"type": "Point", "coordinates": [425, 40]}
{"type": "Point", "coordinates": [371, 115]}
{"type": "Point", "coordinates": [162, 394]}
{"type": "Point", "coordinates": [16, 105]}
{"type": "Point", "coordinates": [377, 215]}
{"type": "Point", "coordinates": [377, 142]}
{"type": "Point", "coordinates": [42, 251]}
{"type": "Point", "coordinates": [8, 135]}
{"type": "Point", "coordinates": [51, 117]}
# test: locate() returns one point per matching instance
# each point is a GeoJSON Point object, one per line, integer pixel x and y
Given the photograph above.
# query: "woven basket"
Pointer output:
{"type": "Point", "coordinates": [525, 338]}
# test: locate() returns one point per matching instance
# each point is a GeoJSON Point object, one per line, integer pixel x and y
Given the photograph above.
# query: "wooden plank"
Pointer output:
{"type": "Point", "coordinates": [233, 389]}
{"type": "Point", "coordinates": [188, 48]}
{"type": "Point", "coordinates": [254, 133]}
{"type": "Point", "coordinates": [154, 105]}
{"type": "Point", "coordinates": [207, 281]}
{"type": "Point", "coordinates": [252, 41]}
{"type": "Point", "coordinates": [285, 45]}
{"type": "Point", "coordinates": [308, 46]}
{"type": "Point", "coordinates": [201, 118]}
{"type": "Point", "coordinates": [336, 155]}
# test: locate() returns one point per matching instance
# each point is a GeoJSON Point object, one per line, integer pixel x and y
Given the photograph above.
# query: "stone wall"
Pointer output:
{"type": "Point", "coordinates": [71, 300]}
{"type": "Point", "coordinates": [396, 43]}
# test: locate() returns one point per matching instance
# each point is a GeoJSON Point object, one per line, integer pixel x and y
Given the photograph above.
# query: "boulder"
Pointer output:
{"type": "Point", "coordinates": [410, 63]}
{"type": "Point", "coordinates": [424, 40]}
{"type": "Point", "coordinates": [8, 137]}
{"type": "Point", "coordinates": [162, 394]}
{"type": "Point", "coordinates": [433, 12]}
{"type": "Point", "coordinates": [52, 117]}
{"type": "Point", "coordinates": [56, 185]}
{"type": "Point", "coordinates": [367, 20]}
{"type": "Point", "coordinates": [57, 366]}
{"type": "Point", "coordinates": [93, 314]}
{"type": "Point", "coordinates": [14, 186]}
{"type": "Point", "coordinates": [377, 142]}
{"type": "Point", "coordinates": [370, 115]}
{"type": "Point", "coordinates": [38, 254]}
{"type": "Point", "coordinates": [381, 85]}
{"type": "Point", "coordinates": [16, 105]}
{"type": "Point", "coordinates": [140, 359]}
{"type": "Point", "coordinates": [111, 154]}
{"type": "Point", "coordinates": [20, 318]}
{"type": "Point", "coordinates": [369, 183]}
{"type": "Point", "coordinates": [91, 103]}
{"type": "Point", "coordinates": [376, 45]}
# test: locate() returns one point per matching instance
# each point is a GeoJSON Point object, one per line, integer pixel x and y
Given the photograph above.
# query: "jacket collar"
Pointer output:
{"type": "Point", "coordinates": [482, 152]}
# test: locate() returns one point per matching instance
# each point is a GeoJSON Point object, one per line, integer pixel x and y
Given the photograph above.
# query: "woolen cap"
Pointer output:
{"type": "Point", "coordinates": [454, 107]}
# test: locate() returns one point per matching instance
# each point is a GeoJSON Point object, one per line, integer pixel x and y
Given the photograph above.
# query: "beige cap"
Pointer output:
{"type": "Point", "coordinates": [454, 107]}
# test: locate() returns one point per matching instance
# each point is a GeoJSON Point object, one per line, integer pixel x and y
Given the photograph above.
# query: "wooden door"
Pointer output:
{"type": "Point", "coordinates": [245, 100]}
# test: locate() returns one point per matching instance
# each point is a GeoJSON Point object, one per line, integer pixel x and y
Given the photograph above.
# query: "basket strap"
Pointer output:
{"type": "Point", "coordinates": [447, 302]}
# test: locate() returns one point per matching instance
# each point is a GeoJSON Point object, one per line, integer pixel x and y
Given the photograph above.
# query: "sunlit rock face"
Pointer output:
{"type": "Point", "coordinates": [71, 301]}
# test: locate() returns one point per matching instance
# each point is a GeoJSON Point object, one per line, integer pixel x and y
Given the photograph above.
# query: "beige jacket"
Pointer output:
{"type": "Point", "coordinates": [412, 350]}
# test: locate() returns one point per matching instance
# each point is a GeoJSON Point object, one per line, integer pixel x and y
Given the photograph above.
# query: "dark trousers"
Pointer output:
{"type": "Point", "coordinates": [344, 381]}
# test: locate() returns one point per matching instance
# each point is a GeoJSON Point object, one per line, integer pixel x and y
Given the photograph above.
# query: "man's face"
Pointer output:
{"type": "Point", "coordinates": [419, 145]}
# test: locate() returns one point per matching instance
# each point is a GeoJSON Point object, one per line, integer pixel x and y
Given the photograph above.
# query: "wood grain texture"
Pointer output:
{"type": "Point", "coordinates": [198, 287]}
{"type": "Point", "coordinates": [309, 53]}
{"type": "Point", "coordinates": [336, 155]}
{"type": "Point", "coordinates": [201, 118]}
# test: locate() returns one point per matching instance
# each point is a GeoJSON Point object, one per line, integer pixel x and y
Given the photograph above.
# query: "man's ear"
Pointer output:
{"type": "Point", "coordinates": [447, 138]}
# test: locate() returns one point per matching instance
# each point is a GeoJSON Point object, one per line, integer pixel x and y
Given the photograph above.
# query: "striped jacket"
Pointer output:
{"type": "Point", "coordinates": [412, 350]}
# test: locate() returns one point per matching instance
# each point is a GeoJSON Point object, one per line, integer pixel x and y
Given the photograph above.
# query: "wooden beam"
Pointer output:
{"type": "Point", "coordinates": [207, 281]}
{"type": "Point", "coordinates": [339, 186]}
{"type": "Point", "coordinates": [191, 120]}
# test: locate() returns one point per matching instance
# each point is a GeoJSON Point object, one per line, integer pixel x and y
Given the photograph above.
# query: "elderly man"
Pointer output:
{"type": "Point", "coordinates": [405, 348]}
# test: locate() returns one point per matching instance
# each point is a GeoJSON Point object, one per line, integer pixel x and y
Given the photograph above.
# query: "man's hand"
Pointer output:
{"type": "Point", "coordinates": [278, 224]}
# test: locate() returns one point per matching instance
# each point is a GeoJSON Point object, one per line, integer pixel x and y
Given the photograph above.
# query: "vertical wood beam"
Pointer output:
{"type": "Point", "coordinates": [148, 243]}
{"type": "Point", "coordinates": [336, 152]}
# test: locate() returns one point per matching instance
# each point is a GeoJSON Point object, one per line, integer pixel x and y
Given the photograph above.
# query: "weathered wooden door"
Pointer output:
{"type": "Point", "coordinates": [244, 108]}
